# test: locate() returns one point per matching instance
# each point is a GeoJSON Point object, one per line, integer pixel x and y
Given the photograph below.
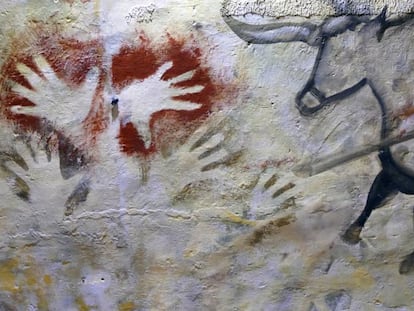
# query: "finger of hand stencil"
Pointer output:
{"type": "Point", "coordinates": [25, 147]}
{"type": "Point", "coordinates": [267, 178]}
{"type": "Point", "coordinates": [216, 153]}
{"type": "Point", "coordinates": [13, 156]}
{"type": "Point", "coordinates": [214, 160]}
{"type": "Point", "coordinates": [183, 77]}
{"type": "Point", "coordinates": [163, 69]}
{"type": "Point", "coordinates": [182, 105]}
{"type": "Point", "coordinates": [78, 196]}
{"type": "Point", "coordinates": [31, 149]}
{"type": "Point", "coordinates": [232, 158]}
{"type": "Point", "coordinates": [212, 145]}
{"type": "Point", "coordinates": [18, 159]}
{"type": "Point", "coordinates": [21, 156]}
{"type": "Point", "coordinates": [24, 92]}
{"type": "Point", "coordinates": [283, 189]}
{"type": "Point", "coordinates": [29, 110]}
{"type": "Point", "coordinates": [33, 78]}
{"type": "Point", "coordinates": [199, 138]}
{"type": "Point", "coordinates": [17, 185]}
{"type": "Point", "coordinates": [45, 68]}
{"type": "Point", "coordinates": [270, 182]}
{"type": "Point", "coordinates": [211, 153]}
{"type": "Point", "coordinates": [184, 91]}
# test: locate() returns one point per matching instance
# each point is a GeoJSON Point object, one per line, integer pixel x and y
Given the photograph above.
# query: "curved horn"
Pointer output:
{"type": "Point", "coordinates": [290, 32]}
{"type": "Point", "coordinates": [271, 33]}
{"type": "Point", "coordinates": [336, 25]}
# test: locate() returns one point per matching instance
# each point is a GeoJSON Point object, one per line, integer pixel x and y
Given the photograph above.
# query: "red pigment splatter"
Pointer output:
{"type": "Point", "coordinates": [169, 128]}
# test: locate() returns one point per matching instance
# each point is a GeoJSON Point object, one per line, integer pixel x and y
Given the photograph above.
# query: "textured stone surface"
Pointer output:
{"type": "Point", "coordinates": [280, 8]}
{"type": "Point", "coordinates": [162, 165]}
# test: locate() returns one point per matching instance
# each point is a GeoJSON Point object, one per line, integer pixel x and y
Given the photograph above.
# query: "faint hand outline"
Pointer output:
{"type": "Point", "coordinates": [30, 175]}
{"type": "Point", "coordinates": [264, 195]}
{"type": "Point", "coordinates": [197, 162]}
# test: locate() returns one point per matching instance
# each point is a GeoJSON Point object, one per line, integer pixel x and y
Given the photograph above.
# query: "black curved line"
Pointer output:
{"type": "Point", "coordinates": [303, 109]}
{"type": "Point", "coordinates": [346, 93]}
{"type": "Point", "coordinates": [253, 33]}
{"type": "Point", "coordinates": [392, 22]}
{"type": "Point", "coordinates": [319, 95]}
{"type": "Point", "coordinates": [400, 174]}
{"type": "Point", "coordinates": [384, 113]}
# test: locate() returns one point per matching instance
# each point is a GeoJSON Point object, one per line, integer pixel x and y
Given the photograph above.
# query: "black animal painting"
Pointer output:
{"type": "Point", "coordinates": [354, 52]}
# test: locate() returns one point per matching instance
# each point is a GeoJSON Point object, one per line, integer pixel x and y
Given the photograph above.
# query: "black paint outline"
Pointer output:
{"type": "Point", "coordinates": [393, 177]}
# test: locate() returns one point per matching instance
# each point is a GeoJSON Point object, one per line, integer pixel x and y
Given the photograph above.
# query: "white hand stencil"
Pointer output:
{"type": "Point", "coordinates": [138, 101]}
{"type": "Point", "coordinates": [64, 105]}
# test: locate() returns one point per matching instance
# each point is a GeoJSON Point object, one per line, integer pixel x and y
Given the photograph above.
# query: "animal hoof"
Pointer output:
{"type": "Point", "coordinates": [407, 265]}
{"type": "Point", "coordinates": [351, 235]}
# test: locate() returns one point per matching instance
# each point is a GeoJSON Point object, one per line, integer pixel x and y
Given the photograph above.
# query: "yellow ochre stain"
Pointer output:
{"type": "Point", "coordinates": [189, 253]}
{"type": "Point", "coordinates": [363, 278]}
{"type": "Point", "coordinates": [228, 216]}
{"type": "Point", "coordinates": [81, 304]}
{"type": "Point", "coordinates": [8, 275]}
{"type": "Point", "coordinates": [358, 279]}
{"type": "Point", "coordinates": [97, 7]}
{"type": "Point", "coordinates": [47, 279]}
{"type": "Point", "coordinates": [30, 278]}
{"type": "Point", "coordinates": [16, 279]}
{"type": "Point", "coordinates": [33, 280]}
{"type": "Point", "coordinates": [127, 306]}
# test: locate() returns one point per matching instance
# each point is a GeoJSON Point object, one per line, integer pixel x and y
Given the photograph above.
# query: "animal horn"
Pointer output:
{"type": "Point", "coordinates": [382, 16]}
{"type": "Point", "coordinates": [271, 33]}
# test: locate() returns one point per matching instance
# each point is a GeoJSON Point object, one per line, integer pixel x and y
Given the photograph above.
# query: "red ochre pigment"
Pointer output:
{"type": "Point", "coordinates": [168, 127]}
{"type": "Point", "coordinates": [72, 59]}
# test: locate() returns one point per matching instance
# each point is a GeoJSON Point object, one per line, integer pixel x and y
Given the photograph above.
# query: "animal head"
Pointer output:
{"type": "Point", "coordinates": [337, 39]}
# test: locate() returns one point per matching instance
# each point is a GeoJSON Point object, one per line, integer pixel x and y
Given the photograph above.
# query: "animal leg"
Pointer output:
{"type": "Point", "coordinates": [382, 188]}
